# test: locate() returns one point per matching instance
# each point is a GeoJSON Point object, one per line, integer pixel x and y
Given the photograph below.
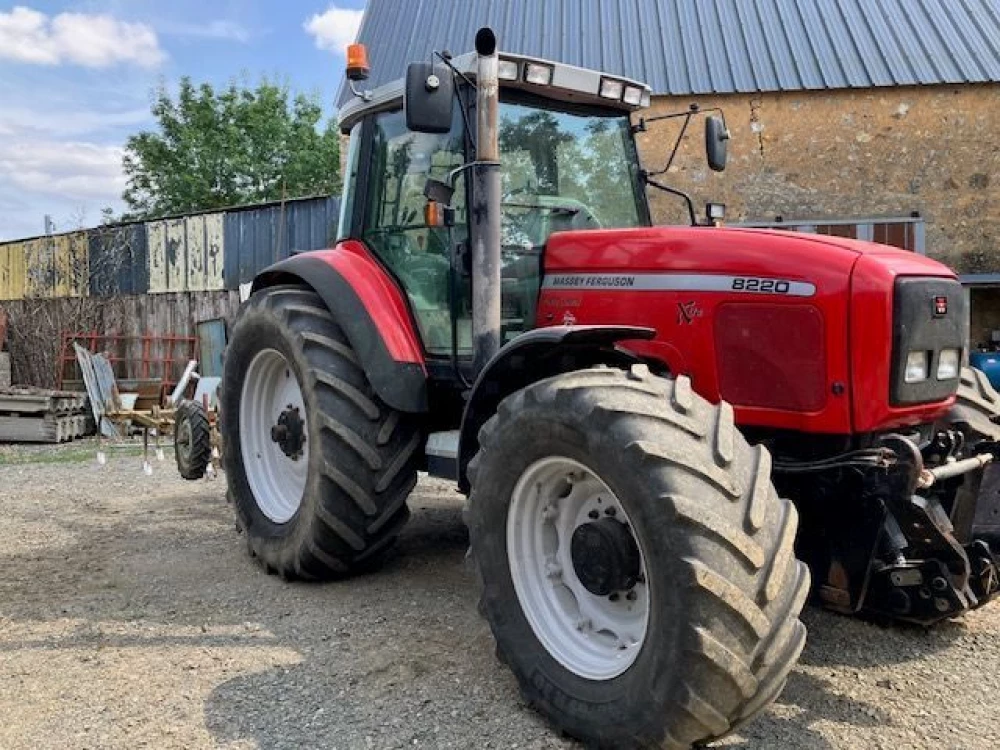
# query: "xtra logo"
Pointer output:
{"type": "Point", "coordinates": [687, 312]}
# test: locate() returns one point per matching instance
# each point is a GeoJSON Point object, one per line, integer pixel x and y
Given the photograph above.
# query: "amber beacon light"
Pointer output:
{"type": "Point", "coordinates": [357, 62]}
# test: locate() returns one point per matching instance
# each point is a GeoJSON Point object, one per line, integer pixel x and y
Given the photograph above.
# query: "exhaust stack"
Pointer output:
{"type": "Point", "coordinates": [485, 218]}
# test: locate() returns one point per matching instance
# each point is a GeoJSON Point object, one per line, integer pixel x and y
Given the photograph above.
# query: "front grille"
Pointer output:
{"type": "Point", "coordinates": [919, 325]}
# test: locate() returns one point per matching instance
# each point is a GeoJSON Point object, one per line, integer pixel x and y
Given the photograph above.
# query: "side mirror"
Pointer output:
{"type": "Point", "coordinates": [428, 98]}
{"type": "Point", "coordinates": [716, 142]}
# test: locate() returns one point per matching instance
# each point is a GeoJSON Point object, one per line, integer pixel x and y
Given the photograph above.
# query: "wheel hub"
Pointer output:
{"type": "Point", "coordinates": [289, 433]}
{"type": "Point", "coordinates": [605, 556]}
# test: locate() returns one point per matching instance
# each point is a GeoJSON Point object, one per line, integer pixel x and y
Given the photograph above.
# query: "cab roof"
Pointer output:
{"type": "Point", "coordinates": [568, 83]}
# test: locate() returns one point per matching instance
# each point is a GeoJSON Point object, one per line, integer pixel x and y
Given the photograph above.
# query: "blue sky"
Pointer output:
{"type": "Point", "coordinates": [76, 80]}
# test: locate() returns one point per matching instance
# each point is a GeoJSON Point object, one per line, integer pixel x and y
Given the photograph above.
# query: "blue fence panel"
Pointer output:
{"type": "Point", "coordinates": [119, 260]}
{"type": "Point", "coordinates": [257, 237]}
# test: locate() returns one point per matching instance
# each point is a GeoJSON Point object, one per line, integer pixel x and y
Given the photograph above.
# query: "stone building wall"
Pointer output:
{"type": "Point", "coordinates": [850, 153]}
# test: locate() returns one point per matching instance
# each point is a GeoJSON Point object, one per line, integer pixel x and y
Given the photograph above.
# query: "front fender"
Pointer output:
{"type": "Point", "coordinates": [533, 356]}
{"type": "Point", "coordinates": [371, 310]}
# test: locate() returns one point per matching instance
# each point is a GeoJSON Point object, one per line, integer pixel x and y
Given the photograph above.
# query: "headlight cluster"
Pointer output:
{"type": "Point", "coordinates": [541, 74]}
{"type": "Point", "coordinates": [918, 365]}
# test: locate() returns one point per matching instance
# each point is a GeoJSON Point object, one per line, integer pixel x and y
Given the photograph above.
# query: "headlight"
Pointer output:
{"type": "Point", "coordinates": [612, 89]}
{"type": "Point", "coordinates": [538, 74]}
{"type": "Point", "coordinates": [633, 96]}
{"type": "Point", "coordinates": [916, 367]}
{"type": "Point", "coordinates": [507, 70]}
{"type": "Point", "coordinates": [948, 363]}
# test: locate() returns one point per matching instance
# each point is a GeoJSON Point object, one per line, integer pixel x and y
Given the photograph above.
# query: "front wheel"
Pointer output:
{"type": "Point", "coordinates": [318, 467]}
{"type": "Point", "coordinates": [637, 565]}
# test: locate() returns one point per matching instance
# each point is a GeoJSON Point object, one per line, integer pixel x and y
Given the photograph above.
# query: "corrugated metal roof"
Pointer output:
{"type": "Point", "coordinates": [708, 46]}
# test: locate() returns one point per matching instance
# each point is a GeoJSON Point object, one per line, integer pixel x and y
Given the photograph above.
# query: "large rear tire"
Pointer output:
{"type": "Point", "coordinates": [977, 404]}
{"type": "Point", "coordinates": [318, 467]}
{"type": "Point", "coordinates": [701, 634]}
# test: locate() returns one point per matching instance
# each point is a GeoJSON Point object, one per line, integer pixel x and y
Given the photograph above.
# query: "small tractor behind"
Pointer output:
{"type": "Point", "coordinates": [640, 416]}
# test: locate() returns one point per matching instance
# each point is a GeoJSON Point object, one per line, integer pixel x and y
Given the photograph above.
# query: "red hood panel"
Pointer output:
{"type": "Point", "coordinates": [665, 278]}
{"type": "Point", "coordinates": [756, 251]}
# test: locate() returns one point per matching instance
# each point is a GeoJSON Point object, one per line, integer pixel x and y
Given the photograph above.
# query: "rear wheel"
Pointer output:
{"type": "Point", "coordinates": [192, 440]}
{"type": "Point", "coordinates": [318, 467]}
{"type": "Point", "coordinates": [638, 567]}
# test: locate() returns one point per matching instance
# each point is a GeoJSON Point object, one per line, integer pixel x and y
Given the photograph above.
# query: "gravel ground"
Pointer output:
{"type": "Point", "coordinates": [130, 616]}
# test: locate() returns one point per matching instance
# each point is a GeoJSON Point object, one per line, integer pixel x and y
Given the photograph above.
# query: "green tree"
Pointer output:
{"type": "Point", "coordinates": [221, 148]}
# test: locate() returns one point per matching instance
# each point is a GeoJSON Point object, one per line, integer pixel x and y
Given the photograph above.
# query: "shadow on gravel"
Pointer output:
{"type": "Point", "coordinates": [838, 640]}
{"type": "Point", "coordinates": [414, 665]}
{"type": "Point", "coordinates": [809, 701]}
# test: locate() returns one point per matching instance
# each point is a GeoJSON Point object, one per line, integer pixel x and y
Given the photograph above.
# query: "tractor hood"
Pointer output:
{"type": "Point", "coordinates": [763, 252]}
{"type": "Point", "coordinates": [797, 331]}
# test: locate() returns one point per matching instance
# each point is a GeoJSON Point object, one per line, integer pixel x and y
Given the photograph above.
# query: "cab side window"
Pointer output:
{"type": "Point", "coordinates": [395, 227]}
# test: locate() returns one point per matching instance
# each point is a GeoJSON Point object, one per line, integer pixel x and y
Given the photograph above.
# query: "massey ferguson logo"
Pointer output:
{"type": "Point", "coordinates": [940, 306]}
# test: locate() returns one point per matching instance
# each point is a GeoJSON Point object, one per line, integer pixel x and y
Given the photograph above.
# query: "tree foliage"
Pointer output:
{"type": "Point", "coordinates": [221, 148]}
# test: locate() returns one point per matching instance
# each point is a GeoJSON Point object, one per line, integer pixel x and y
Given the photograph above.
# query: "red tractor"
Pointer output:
{"type": "Point", "coordinates": [639, 415]}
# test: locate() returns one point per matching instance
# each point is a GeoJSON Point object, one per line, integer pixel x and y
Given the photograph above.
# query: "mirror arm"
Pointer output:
{"type": "Point", "coordinates": [446, 59]}
{"type": "Point", "coordinates": [680, 137]}
{"type": "Point", "coordinates": [647, 177]}
{"type": "Point", "coordinates": [463, 108]}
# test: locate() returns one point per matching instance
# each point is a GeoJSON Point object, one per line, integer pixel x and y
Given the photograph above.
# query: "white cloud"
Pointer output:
{"type": "Point", "coordinates": [219, 29]}
{"type": "Point", "coordinates": [334, 29]}
{"type": "Point", "coordinates": [52, 122]}
{"type": "Point", "coordinates": [93, 41]}
{"type": "Point", "coordinates": [69, 169]}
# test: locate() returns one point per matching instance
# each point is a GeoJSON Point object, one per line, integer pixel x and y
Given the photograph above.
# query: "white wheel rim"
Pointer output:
{"type": "Point", "coordinates": [593, 636]}
{"type": "Point", "coordinates": [277, 481]}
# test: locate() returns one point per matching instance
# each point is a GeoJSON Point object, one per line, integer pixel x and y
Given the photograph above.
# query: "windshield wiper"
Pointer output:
{"type": "Point", "coordinates": [567, 210]}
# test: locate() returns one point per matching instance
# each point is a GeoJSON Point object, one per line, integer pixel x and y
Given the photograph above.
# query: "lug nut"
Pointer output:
{"type": "Point", "coordinates": [631, 595]}
{"type": "Point", "coordinates": [614, 596]}
{"type": "Point", "coordinates": [610, 511]}
{"type": "Point", "coordinates": [594, 515]}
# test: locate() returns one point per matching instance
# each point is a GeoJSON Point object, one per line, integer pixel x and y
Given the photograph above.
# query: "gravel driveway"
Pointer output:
{"type": "Point", "coordinates": [130, 616]}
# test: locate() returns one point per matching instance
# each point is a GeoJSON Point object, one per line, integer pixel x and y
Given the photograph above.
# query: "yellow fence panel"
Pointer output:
{"type": "Point", "coordinates": [186, 254]}
{"type": "Point", "coordinates": [72, 258]}
{"type": "Point", "coordinates": [12, 271]}
{"type": "Point", "coordinates": [156, 236]}
{"type": "Point", "coordinates": [39, 267]}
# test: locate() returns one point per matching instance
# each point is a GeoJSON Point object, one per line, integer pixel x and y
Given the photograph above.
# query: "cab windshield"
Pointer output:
{"type": "Point", "coordinates": [566, 170]}
{"type": "Point", "coordinates": [560, 170]}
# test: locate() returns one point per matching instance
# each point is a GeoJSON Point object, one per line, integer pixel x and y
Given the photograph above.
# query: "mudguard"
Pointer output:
{"type": "Point", "coordinates": [372, 311]}
{"type": "Point", "coordinates": [532, 356]}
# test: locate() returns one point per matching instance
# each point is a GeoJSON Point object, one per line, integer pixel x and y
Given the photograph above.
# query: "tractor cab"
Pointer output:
{"type": "Point", "coordinates": [568, 161]}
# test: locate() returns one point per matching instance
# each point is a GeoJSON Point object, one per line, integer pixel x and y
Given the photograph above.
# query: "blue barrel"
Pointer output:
{"type": "Point", "coordinates": [989, 363]}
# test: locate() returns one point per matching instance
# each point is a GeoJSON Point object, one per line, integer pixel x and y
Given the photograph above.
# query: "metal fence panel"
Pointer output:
{"type": "Point", "coordinates": [186, 254]}
{"type": "Point", "coordinates": [12, 271]}
{"type": "Point", "coordinates": [56, 265]}
{"type": "Point", "coordinates": [118, 260]}
{"type": "Point", "coordinates": [257, 237]}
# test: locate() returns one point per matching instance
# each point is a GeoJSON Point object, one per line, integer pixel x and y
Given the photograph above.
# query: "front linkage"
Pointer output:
{"type": "Point", "coordinates": [922, 549]}
{"type": "Point", "coordinates": [938, 568]}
